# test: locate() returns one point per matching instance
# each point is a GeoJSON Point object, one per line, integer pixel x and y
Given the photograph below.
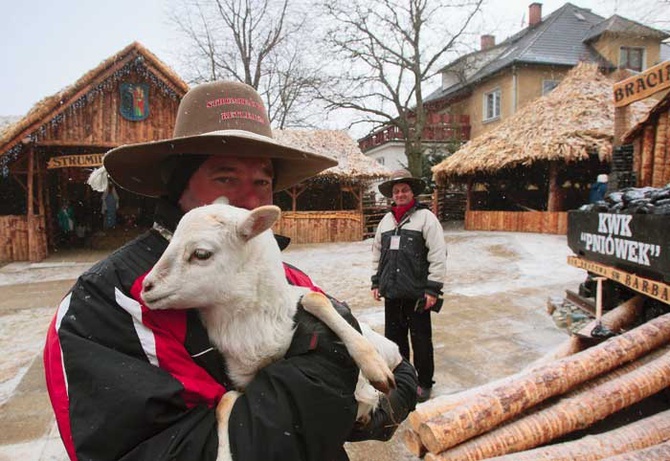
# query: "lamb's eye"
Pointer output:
{"type": "Point", "coordinates": [201, 254]}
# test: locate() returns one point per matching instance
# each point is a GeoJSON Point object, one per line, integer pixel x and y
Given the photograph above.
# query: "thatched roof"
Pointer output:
{"type": "Point", "coordinates": [48, 109]}
{"type": "Point", "coordinates": [352, 163]}
{"type": "Point", "coordinates": [575, 119]}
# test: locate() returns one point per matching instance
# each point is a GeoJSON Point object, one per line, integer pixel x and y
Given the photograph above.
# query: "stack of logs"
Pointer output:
{"type": "Point", "coordinates": [582, 382]}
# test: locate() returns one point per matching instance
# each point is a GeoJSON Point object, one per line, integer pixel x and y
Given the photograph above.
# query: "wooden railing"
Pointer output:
{"type": "Point", "coordinates": [439, 127]}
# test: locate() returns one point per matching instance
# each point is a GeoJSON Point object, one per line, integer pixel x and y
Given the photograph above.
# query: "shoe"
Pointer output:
{"type": "Point", "coordinates": [422, 394]}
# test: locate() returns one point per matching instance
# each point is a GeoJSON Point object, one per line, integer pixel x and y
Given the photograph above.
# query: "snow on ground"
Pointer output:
{"type": "Point", "coordinates": [478, 264]}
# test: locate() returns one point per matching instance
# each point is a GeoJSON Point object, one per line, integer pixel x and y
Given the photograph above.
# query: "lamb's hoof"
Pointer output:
{"type": "Point", "coordinates": [384, 386]}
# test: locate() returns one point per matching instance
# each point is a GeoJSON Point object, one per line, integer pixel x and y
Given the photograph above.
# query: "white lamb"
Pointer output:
{"type": "Point", "coordinates": [225, 262]}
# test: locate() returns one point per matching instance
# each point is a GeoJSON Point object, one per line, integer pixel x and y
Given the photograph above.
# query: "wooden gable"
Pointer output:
{"type": "Point", "coordinates": [88, 117]}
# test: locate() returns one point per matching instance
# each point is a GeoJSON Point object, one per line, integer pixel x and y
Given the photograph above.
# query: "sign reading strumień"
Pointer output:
{"type": "Point", "coordinates": [75, 161]}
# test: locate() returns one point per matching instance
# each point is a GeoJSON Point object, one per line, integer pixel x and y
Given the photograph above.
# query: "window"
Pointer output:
{"type": "Point", "coordinates": [492, 105]}
{"type": "Point", "coordinates": [631, 58]}
{"type": "Point", "coordinates": [548, 85]}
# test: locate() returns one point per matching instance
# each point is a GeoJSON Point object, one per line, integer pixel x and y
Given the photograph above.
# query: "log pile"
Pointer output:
{"type": "Point", "coordinates": [518, 417]}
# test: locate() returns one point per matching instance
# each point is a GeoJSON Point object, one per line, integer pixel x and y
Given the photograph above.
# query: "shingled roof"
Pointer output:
{"type": "Point", "coordinates": [49, 109]}
{"type": "Point", "coordinates": [352, 163]}
{"type": "Point", "coordinates": [621, 26]}
{"type": "Point", "coordinates": [560, 39]}
{"type": "Point", "coordinates": [567, 125]}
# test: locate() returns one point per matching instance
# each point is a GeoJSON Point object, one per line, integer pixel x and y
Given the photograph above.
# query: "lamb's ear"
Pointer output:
{"type": "Point", "coordinates": [259, 220]}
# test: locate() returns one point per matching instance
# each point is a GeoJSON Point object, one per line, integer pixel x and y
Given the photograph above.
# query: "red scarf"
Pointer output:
{"type": "Point", "coordinates": [400, 210]}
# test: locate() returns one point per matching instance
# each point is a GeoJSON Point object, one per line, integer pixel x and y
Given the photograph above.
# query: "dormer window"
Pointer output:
{"type": "Point", "coordinates": [631, 58]}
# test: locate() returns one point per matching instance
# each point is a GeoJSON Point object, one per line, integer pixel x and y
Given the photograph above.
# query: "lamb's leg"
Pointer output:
{"type": "Point", "coordinates": [223, 410]}
{"type": "Point", "coordinates": [368, 359]}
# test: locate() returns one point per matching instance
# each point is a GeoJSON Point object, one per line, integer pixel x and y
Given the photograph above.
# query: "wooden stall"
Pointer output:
{"type": "Point", "coordinates": [541, 222]}
{"type": "Point", "coordinates": [328, 207]}
{"type": "Point", "coordinates": [525, 174]}
{"type": "Point", "coordinates": [47, 156]}
{"type": "Point", "coordinates": [321, 226]}
{"type": "Point", "coordinates": [650, 137]}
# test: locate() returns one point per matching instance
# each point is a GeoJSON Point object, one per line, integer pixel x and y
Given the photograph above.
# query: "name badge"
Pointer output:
{"type": "Point", "coordinates": [395, 242]}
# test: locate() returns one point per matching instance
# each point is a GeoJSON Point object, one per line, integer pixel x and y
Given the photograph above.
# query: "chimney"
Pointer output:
{"type": "Point", "coordinates": [487, 41]}
{"type": "Point", "coordinates": [534, 14]}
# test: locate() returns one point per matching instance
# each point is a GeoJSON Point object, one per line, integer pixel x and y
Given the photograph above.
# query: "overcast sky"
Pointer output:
{"type": "Point", "coordinates": [47, 45]}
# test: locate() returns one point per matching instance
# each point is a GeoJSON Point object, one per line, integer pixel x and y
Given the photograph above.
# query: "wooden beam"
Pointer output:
{"type": "Point", "coordinates": [32, 243]}
{"type": "Point", "coordinates": [651, 288]}
{"type": "Point", "coordinates": [554, 199]}
{"type": "Point", "coordinates": [585, 304]}
{"type": "Point", "coordinates": [75, 143]}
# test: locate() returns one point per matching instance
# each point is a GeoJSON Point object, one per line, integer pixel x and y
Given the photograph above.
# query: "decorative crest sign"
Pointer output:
{"type": "Point", "coordinates": [134, 101]}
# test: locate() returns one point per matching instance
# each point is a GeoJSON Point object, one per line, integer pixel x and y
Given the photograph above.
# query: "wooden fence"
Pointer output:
{"type": "Point", "coordinates": [321, 226]}
{"type": "Point", "coordinates": [14, 239]}
{"type": "Point", "coordinates": [543, 222]}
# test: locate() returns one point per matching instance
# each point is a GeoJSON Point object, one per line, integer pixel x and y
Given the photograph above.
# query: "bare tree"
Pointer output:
{"type": "Point", "coordinates": [387, 50]}
{"type": "Point", "coordinates": [254, 42]}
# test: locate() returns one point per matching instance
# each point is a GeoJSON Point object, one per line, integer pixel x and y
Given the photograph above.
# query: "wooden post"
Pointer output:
{"type": "Point", "coordinates": [294, 197]}
{"type": "Point", "coordinates": [554, 199]}
{"type": "Point", "coordinates": [621, 118]}
{"type": "Point", "coordinates": [468, 195]}
{"type": "Point", "coordinates": [30, 210]}
{"type": "Point", "coordinates": [647, 156]}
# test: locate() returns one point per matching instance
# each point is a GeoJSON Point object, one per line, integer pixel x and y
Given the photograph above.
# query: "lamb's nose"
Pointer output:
{"type": "Point", "coordinates": [147, 286]}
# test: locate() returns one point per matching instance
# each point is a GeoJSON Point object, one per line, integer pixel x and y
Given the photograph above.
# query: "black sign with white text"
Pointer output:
{"type": "Point", "coordinates": [635, 242]}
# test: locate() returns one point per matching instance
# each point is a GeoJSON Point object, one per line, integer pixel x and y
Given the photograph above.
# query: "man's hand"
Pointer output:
{"type": "Point", "coordinates": [393, 408]}
{"type": "Point", "coordinates": [430, 301]}
{"type": "Point", "coordinates": [375, 294]}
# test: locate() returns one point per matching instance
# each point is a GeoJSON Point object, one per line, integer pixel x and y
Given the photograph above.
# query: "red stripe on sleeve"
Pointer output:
{"type": "Point", "coordinates": [55, 378]}
{"type": "Point", "coordinates": [169, 329]}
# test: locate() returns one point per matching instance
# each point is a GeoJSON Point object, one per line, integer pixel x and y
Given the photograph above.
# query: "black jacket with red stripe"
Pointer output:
{"type": "Point", "coordinates": [128, 383]}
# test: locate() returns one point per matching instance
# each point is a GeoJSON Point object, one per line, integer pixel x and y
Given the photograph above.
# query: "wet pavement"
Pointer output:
{"type": "Point", "coordinates": [491, 332]}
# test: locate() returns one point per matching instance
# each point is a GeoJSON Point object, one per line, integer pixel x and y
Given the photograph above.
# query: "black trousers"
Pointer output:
{"type": "Point", "coordinates": [399, 319]}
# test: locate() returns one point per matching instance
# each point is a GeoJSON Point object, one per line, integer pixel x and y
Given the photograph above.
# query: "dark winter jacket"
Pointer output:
{"type": "Point", "coordinates": [597, 192]}
{"type": "Point", "coordinates": [127, 383]}
{"type": "Point", "coordinates": [409, 257]}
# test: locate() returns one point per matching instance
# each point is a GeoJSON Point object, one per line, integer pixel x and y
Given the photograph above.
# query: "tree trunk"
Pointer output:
{"type": "Point", "coordinates": [576, 412]}
{"type": "Point", "coordinates": [655, 453]}
{"type": "Point", "coordinates": [414, 159]}
{"type": "Point", "coordinates": [640, 434]}
{"type": "Point", "coordinates": [413, 443]}
{"type": "Point", "coordinates": [620, 317]}
{"type": "Point", "coordinates": [507, 400]}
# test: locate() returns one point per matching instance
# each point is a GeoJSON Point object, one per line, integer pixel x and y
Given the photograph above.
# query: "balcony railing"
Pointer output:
{"type": "Point", "coordinates": [439, 127]}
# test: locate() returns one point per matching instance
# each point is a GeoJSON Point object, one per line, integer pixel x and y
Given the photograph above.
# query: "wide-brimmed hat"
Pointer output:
{"type": "Point", "coordinates": [218, 118]}
{"type": "Point", "coordinates": [401, 176]}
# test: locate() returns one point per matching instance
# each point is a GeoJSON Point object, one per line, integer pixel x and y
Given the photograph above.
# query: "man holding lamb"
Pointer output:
{"type": "Point", "coordinates": [127, 383]}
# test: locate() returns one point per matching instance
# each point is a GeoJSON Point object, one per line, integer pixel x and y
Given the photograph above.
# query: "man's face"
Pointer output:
{"type": "Point", "coordinates": [402, 194]}
{"type": "Point", "coordinates": [246, 182]}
